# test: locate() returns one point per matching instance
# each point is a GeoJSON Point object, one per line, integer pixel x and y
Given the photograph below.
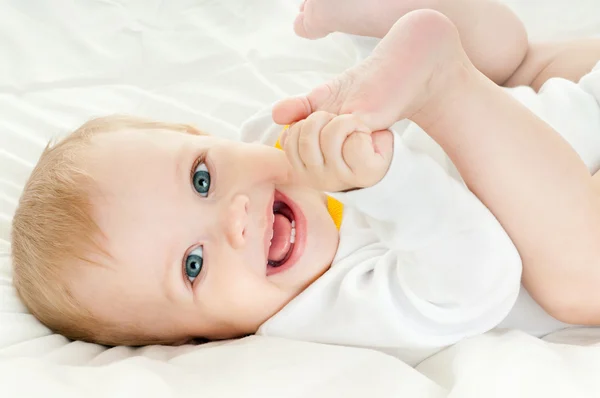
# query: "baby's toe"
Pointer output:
{"type": "Point", "coordinates": [291, 110]}
{"type": "Point", "coordinates": [299, 27]}
{"type": "Point", "coordinates": [307, 23]}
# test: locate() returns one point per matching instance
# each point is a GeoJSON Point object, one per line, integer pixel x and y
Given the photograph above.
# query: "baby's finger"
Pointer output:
{"type": "Point", "coordinates": [333, 136]}
{"type": "Point", "coordinates": [290, 146]}
{"type": "Point", "coordinates": [358, 154]}
{"type": "Point", "coordinates": [308, 140]}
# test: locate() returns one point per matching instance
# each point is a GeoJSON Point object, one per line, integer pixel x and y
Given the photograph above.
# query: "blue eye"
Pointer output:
{"type": "Point", "coordinates": [193, 263]}
{"type": "Point", "coordinates": [201, 179]}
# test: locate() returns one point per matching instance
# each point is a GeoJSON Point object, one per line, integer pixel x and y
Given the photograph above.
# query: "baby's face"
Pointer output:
{"type": "Point", "coordinates": [188, 222]}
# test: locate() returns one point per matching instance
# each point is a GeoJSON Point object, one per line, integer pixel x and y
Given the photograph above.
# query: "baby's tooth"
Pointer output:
{"type": "Point", "coordinates": [293, 234]}
{"type": "Point", "coordinates": [293, 223]}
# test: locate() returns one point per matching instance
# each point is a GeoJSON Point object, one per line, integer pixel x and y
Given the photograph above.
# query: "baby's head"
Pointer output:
{"type": "Point", "coordinates": [132, 232]}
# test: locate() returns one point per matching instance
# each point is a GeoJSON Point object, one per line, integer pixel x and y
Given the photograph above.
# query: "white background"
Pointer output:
{"type": "Point", "coordinates": [215, 63]}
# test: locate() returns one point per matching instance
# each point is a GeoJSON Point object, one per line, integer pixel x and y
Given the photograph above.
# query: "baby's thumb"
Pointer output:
{"type": "Point", "coordinates": [368, 156]}
{"type": "Point", "coordinates": [383, 143]}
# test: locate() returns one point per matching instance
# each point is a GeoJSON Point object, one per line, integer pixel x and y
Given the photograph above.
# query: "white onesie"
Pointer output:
{"type": "Point", "coordinates": [422, 263]}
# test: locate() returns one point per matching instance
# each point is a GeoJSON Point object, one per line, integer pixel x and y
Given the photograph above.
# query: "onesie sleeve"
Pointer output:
{"type": "Point", "coordinates": [452, 261]}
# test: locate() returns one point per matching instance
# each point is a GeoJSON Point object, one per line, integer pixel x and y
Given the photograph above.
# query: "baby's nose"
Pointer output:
{"type": "Point", "coordinates": [236, 220]}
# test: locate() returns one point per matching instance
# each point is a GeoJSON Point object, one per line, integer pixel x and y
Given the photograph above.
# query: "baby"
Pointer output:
{"type": "Point", "coordinates": [136, 232]}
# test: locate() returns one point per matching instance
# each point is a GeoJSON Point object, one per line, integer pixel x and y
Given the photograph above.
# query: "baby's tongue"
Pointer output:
{"type": "Point", "coordinates": [280, 244]}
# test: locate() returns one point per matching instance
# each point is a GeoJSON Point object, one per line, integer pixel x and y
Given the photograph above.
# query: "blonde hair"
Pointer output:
{"type": "Point", "coordinates": [53, 233]}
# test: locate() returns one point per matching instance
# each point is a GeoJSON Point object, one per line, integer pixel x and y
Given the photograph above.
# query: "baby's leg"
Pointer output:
{"type": "Point", "coordinates": [492, 35]}
{"type": "Point", "coordinates": [521, 169]}
{"type": "Point", "coordinates": [532, 180]}
{"type": "Point", "coordinates": [395, 81]}
{"type": "Point", "coordinates": [569, 60]}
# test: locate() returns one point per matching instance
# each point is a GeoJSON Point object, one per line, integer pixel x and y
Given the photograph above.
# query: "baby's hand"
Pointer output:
{"type": "Point", "coordinates": [337, 153]}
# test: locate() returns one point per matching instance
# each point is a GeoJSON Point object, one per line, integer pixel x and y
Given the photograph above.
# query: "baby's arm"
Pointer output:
{"type": "Point", "coordinates": [442, 268]}
{"type": "Point", "coordinates": [533, 181]}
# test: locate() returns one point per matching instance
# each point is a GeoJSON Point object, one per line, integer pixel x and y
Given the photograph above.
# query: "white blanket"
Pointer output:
{"type": "Point", "coordinates": [214, 64]}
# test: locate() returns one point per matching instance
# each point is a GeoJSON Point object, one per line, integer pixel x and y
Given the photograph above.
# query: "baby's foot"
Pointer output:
{"type": "Point", "coordinates": [417, 63]}
{"type": "Point", "coordinates": [318, 18]}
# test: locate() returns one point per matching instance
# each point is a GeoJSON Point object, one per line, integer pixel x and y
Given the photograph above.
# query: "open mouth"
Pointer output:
{"type": "Point", "coordinates": [284, 243]}
{"type": "Point", "coordinates": [283, 236]}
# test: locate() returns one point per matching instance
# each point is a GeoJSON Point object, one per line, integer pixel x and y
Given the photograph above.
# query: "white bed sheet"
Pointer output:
{"type": "Point", "coordinates": [213, 64]}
